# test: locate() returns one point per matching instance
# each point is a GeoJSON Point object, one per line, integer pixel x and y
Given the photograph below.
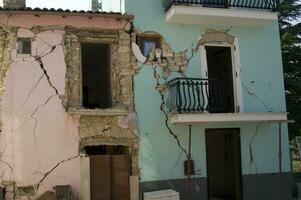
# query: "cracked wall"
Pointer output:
{"type": "Point", "coordinates": [161, 159]}
{"type": "Point", "coordinates": [103, 129]}
{"type": "Point", "coordinates": [29, 133]}
{"type": "Point", "coordinates": [164, 57]}
{"type": "Point", "coordinates": [41, 140]}
{"type": "Point", "coordinates": [122, 64]}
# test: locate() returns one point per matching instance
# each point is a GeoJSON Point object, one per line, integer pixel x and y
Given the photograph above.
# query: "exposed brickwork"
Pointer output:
{"type": "Point", "coordinates": [121, 67]}
{"type": "Point", "coordinates": [99, 130]}
{"type": "Point", "coordinates": [168, 60]}
{"type": "Point", "coordinates": [212, 35]}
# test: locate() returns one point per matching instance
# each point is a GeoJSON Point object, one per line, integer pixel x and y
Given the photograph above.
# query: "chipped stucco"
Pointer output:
{"type": "Point", "coordinates": [216, 36]}
{"type": "Point", "coordinates": [166, 58]}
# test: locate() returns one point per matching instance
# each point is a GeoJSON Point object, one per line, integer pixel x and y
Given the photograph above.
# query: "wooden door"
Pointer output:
{"type": "Point", "coordinates": [120, 177]}
{"type": "Point", "coordinates": [109, 177]}
{"type": "Point", "coordinates": [100, 177]}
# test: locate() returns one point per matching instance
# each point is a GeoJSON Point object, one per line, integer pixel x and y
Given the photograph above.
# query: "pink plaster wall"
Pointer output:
{"type": "Point", "coordinates": [84, 21]}
{"type": "Point", "coordinates": [38, 135]}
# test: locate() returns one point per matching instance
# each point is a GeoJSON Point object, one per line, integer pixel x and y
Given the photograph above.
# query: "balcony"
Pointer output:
{"type": "Point", "coordinates": [194, 101]}
{"type": "Point", "coordinates": [192, 95]}
{"type": "Point", "coordinates": [256, 13]}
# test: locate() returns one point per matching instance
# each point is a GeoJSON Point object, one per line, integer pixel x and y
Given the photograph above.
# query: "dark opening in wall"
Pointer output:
{"type": "Point", "coordinates": [219, 62]}
{"type": "Point", "coordinates": [96, 75]}
{"type": "Point", "coordinates": [24, 45]}
{"type": "Point", "coordinates": [106, 150]}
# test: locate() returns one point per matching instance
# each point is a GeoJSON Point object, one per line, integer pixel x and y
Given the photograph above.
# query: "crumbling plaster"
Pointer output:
{"type": "Point", "coordinates": [121, 65]}
{"type": "Point", "coordinates": [170, 61]}
{"type": "Point", "coordinates": [102, 128]}
{"type": "Point", "coordinates": [37, 93]}
{"type": "Point", "coordinates": [30, 95]}
{"type": "Point", "coordinates": [165, 63]}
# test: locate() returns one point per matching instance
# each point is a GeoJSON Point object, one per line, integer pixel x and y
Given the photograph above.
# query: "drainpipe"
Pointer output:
{"type": "Point", "coordinates": [188, 166]}
{"type": "Point", "coordinates": [280, 161]}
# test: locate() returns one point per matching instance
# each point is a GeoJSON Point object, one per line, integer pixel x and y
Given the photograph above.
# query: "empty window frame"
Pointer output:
{"type": "Point", "coordinates": [24, 45]}
{"type": "Point", "coordinates": [96, 75]}
{"type": "Point", "coordinates": [147, 43]}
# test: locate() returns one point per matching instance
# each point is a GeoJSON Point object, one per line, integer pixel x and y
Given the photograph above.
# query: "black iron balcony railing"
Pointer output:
{"type": "Point", "coordinates": [270, 5]}
{"type": "Point", "coordinates": [188, 95]}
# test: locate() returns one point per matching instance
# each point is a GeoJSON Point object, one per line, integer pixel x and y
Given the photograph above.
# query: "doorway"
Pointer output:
{"type": "Point", "coordinates": [219, 64]}
{"type": "Point", "coordinates": [109, 172]}
{"type": "Point", "coordinates": [223, 164]}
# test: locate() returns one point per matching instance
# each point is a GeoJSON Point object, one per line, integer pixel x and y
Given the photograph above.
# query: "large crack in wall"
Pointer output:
{"type": "Point", "coordinates": [105, 130]}
{"type": "Point", "coordinates": [96, 130]}
{"type": "Point", "coordinates": [12, 190]}
{"type": "Point", "coordinates": [166, 62]}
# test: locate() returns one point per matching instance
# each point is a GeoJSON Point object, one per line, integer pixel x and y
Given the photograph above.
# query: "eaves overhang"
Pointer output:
{"type": "Point", "coordinates": [219, 16]}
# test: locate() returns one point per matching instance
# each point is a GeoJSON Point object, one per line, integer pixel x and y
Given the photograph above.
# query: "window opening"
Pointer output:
{"type": "Point", "coordinates": [24, 45]}
{"type": "Point", "coordinates": [147, 43]}
{"type": "Point", "coordinates": [96, 76]}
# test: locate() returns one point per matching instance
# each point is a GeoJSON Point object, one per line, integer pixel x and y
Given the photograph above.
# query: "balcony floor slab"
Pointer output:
{"type": "Point", "coordinates": [203, 118]}
{"type": "Point", "coordinates": [219, 16]}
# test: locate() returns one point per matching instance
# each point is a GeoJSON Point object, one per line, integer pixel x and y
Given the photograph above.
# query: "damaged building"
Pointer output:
{"type": "Point", "coordinates": [176, 100]}
{"type": "Point", "coordinates": [67, 116]}
{"type": "Point", "coordinates": [215, 123]}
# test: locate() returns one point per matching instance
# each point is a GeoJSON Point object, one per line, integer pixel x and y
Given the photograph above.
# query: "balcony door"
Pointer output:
{"type": "Point", "coordinates": [221, 62]}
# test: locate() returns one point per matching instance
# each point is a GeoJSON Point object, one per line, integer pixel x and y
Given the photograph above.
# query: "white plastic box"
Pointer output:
{"type": "Point", "coordinates": [162, 195]}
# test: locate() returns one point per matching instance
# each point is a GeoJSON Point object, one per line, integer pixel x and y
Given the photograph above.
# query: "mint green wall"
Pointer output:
{"type": "Point", "coordinates": [261, 72]}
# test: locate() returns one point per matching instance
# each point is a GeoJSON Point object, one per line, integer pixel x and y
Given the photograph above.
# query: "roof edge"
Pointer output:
{"type": "Point", "coordinates": [52, 11]}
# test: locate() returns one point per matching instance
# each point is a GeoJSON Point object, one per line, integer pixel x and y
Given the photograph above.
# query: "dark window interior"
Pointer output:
{"type": "Point", "coordinates": [96, 75]}
{"type": "Point", "coordinates": [219, 61]}
{"type": "Point", "coordinates": [24, 46]}
{"type": "Point", "coordinates": [147, 43]}
{"type": "Point", "coordinates": [106, 150]}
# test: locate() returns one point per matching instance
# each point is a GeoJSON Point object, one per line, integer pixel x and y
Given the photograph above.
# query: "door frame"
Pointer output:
{"type": "Point", "coordinates": [236, 69]}
{"type": "Point", "coordinates": [223, 130]}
